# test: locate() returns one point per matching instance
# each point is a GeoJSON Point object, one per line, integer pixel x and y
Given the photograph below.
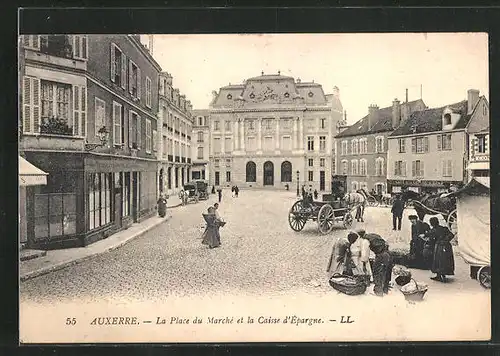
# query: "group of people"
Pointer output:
{"type": "Point", "coordinates": [211, 235]}
{"type": "Point", "coordinates": [351, 257]}
{"type": "Point", "coordinates": [430, 248]}
{"type": "Point", "coordinates": [235, 191]}
{"type": "Point", "coordinates": [310, 194]}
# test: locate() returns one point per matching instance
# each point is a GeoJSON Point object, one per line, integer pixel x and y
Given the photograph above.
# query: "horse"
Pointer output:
{"type": "Point", "coordinates": [428, 204]}
{"type": "Point", "coordinates": [356, 199]}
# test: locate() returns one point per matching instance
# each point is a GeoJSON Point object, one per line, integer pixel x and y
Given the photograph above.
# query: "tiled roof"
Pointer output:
{"type": "Point", "coordinates": [430, 120]}
{"type": "Point", "coordinates": [382, 122]}
{"type": "Point", "coordinates": [270, 77]}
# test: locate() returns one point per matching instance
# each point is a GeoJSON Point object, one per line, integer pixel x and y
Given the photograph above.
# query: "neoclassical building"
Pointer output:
{"type": "Point", "coordinates": [271, 129]}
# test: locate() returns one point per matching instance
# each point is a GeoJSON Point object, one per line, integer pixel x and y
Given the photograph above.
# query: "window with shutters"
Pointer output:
{"type": "Point", "coordinates": [148, 92]}
{"type": "Point", "coordinates": [310, 176]}
{"type": "Point", "coordinates": [379, 144]}
{"type": "Point", "coordinates": [99, 115]}
{"type": "Point", "coordinates": [447, 168]}
{"type": "Point", "coordinates": [200, 136]}
{"type": "Point", "coordinates": [343, 150]}
{"type": "Point", "coordinates": [354, 146]}
{"type": "Point", "coordinates": [133, 79]}
{"type": "Point", "coordinates": [148, 136]}
{"type": "Point", "coordinates": [31, 41]}
{"type": "Point", "coordinates": [420, 145]}
{"type": "Point", "coordinates": [134, 130]}
{"type": "Point", "coordinates": [117, 123]}
{"type": "Point", "coordinates": [155, 134]}
{"type": "Point", "coordinates": [322, 143]}
{"type": "Point", "coordinates": [444, 142]}
{"type": "Point", "coordinates": [354, 167]}
{"type": "Point", "coordinates": [200, 153]}
{"type": "Point", "coordinates": [417, 168]}
{"type": "Point", "coordinates": [31, 105]}
{"type": "Point", "coordinates": [402, 145]}
{"type": "Point", "coordinates": [362, 167]}
{"type": "Point", "coordinates": [400, 168]}
{"type": "Point", "coordinates": [379, 167]}
{"type": "Point", "coordinates": [118, 66]}
{"type": "Point", "coordinates": [321, 162]}
{"type": "Point", "coordinates": [80, 47]}
{"type": "Point", "coordinates": [363, 145]}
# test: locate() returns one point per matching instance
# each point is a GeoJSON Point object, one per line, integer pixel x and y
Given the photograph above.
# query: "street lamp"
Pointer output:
{"type": "Point", "coordinates": [102, 135]}
{"type": "Point", "coordinates": [298, 192]}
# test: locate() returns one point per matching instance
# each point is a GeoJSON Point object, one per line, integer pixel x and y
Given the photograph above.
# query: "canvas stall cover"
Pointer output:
{"type": "Point", "coordinates": [473, 215]}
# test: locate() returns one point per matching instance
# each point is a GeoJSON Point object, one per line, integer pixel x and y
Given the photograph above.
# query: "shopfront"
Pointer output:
{"type": "Point", "coordinates": [420, 186]}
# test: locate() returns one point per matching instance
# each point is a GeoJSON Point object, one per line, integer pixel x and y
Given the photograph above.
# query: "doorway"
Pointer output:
{"type": "Point", "coordinates": [268, 173]}
{"type": "Point", "coordinates": [217, 178]}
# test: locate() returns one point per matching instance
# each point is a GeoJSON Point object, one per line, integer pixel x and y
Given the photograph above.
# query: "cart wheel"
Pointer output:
{"type": "Point", "coordinates": [326, 219]}
{"type": "Point", "coordinates": [348, 220]}
{"type": "Point", "coordinates": [296, 217]}
{"type": "Point", "coordinates": [484, 276]}
{"type": "Point", "coordinates": [452, 222]}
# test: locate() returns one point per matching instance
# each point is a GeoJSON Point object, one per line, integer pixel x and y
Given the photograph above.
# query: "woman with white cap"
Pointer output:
{"type": "Point", "coordinates": [360, 256]}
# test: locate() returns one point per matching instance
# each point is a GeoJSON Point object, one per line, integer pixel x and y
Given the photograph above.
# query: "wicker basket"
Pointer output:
{"type": "Point", "coordinates": [350, 285]}
{"type": "Point", "coordinates": [415, 295]}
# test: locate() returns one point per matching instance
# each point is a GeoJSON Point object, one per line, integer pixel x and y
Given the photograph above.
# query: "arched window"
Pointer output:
{"type": "Point", "coordinates": [286, 171]}
{"type": "Point", "coordinates": [251, 173]}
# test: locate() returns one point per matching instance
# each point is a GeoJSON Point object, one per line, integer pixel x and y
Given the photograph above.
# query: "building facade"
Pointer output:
{"type": "Point", "coordinates": [176, 139]}
{"type": "Point", "coordinates": [200, 152]}
{"type": "Point", "coordinates": [479, 142]}
{"type": "Point", "coordinates": [271, 129]}
{"type": "Point", "coordinates": [361, 149]}
{"type": "Point", "coordinates": [429, 152]}
{"type": "Point", "coordinates": [89, 118]}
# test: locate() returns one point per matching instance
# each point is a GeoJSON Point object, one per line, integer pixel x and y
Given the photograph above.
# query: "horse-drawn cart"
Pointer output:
{"type": "Point", "coordinates": [326, 214]}
{"type": "Point", "coordinates": [189, 193]}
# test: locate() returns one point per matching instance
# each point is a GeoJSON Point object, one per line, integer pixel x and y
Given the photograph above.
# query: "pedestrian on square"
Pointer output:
{"type": "Point", "coordinates": [382, 267]}
{"type": "Point", "coordinates": [213, 189]}
{"type": "Point", "coordinates": [418, 231]}
{"type": "Point", "coordinates": [303, 192]}
{"type": "Point", "coordinates": [233, 194]}
{"type": "Point", "coordinates": [219, 191]}
{"type": "Point", "coordinates": [236, 190]}
{"type": "Point", "coordinates": [397, 212]}
{"type": "Point", "coordinates": [339, 263]}
{"type": "Point", "coordinates": [211, 235]}
{"type": "Point", "coordinates": [315, 194]}
{"type": "Point", "coordinates": [360, 255]}
{"type": "Point", "coordinates": [443, 263]}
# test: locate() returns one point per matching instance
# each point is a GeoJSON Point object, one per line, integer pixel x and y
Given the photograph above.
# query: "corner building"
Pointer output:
{"type": "Point", "coordinates": [270, 130]}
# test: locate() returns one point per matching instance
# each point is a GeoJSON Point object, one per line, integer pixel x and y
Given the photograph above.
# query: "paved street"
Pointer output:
{"type": "Point", "coordinates": [259, 254]}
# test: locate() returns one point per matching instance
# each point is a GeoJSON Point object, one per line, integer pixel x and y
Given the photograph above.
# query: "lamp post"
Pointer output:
{"type": "Point", "coordinates": [298, 192]}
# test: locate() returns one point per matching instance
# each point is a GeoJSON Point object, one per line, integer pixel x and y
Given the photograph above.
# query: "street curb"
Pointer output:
{"type": "Point", "coordinates": [62, 265]}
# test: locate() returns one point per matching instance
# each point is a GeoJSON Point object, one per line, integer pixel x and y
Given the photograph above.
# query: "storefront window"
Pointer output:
{"type": "Point", "coordinates": [99, 200]}
{"type": "Point", "coordinates": [125, 176]}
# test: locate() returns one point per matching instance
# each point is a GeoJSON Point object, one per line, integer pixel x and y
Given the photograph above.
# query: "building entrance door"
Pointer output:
{"type": "Point", "coordinates": [322, 180]}
{"type": "Point", "coordinates": [268, 173]}
{"type": "Point", "coordinates": [217, 178]}
{"type": "Point", "coordinates": [135, 197]}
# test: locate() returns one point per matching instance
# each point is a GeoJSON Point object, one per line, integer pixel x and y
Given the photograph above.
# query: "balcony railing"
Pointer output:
{"type": "Point", "coordinates": [55, 126]}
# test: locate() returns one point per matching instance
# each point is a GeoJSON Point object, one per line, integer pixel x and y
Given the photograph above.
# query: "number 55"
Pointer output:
{"type": "Point", "coordinates": [70, 321]}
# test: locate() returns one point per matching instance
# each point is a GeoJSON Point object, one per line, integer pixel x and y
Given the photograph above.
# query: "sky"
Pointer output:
{"type": "Point", "coordinates": [367, 68]}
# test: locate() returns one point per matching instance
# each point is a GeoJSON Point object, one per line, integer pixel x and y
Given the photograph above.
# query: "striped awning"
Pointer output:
{"type": "Point", "coordinates": [30, 174]}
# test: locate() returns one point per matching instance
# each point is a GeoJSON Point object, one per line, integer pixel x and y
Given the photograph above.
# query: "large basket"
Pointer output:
{"type": "Point", "coordinates": [415, 295]}
{"type": "Point", "coordinates": [350, 285]}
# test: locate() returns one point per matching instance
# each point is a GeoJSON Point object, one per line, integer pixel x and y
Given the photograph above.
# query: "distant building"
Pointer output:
{"type": "Point", "coordinates": [200, 148]}
{"type": "Point", "coordinates": [177, 122]}
{"type": "Point", "coordinates": [361, 149]}
{"type": "Point", "coordinates": [479, 142]}
{"type": "Point", "coordinates": [270, 128]}
{"type": "Point", "coordinates": [429, 151]}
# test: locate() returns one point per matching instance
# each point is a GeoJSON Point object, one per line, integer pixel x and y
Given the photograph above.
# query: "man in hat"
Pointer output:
{"type": "Point", "coordinates": [418, 230]}
{"type": "Point", "coordinates": [397, 212]}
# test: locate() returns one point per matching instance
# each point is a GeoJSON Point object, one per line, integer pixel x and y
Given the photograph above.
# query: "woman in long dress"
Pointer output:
{"type": "Point", "coordinates": [339, 262]}
{"type": "Point", "coordinates": [211, 236]}
{"type": "Point", "coordinates": [360, 255]}
{"type": "Point", "coordinates": [443, 262]}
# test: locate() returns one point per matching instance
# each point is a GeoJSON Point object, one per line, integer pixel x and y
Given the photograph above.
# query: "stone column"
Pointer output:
{"type": "Point", "coordinates": [242, 134]}
{"type": "Point", "coordinates": [223, 137]}
{"type": "Point", "coordinates": [295, 138]}
{"type": "Point", "coordinates": [235, 135]}
{"type": "Point", "coordinates": [301, 133]}
{"type": "Point", "coordinates": [259, 134]}
{"type": "Point", "coordinates": [277, 133]}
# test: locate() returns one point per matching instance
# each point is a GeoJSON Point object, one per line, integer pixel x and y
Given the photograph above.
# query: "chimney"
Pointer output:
{"type": "Point", "coordinates": [472, 99]}
{"type": "Point", "coordinates": [372, 115]}
{"type": "Point", "coordinates": [336, 91]}
{"type": "Point", "coordinates": [396, 114]}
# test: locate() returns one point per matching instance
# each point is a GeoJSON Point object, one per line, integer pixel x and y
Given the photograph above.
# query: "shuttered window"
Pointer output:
{"type": "Point", "coordinates": [80, 47]}
{"type": "Point", "coordinates": [155, 140]}
{"type": "Point", "coordinates": [420, 145]}
{"type": "Point", "coordinates": [417, 168]}
{"type": "Point", "coordinates": [79, 110]}
{"type": "Point", "coordinates": [148, 136]}
{"type": "Point", "coordinates": [31, 41]}
{"type": "Point", "coordinates": [31, 105]}
{"type": "Point", "coordinates": [139, 132]}
{"type": "Point", "coordinates": [100, 115]}
{"type": "Point", "coordinates": [447, 169]}
{"type": "Point", "coordinates": [118, 65]}
{"type": "Point", "coordinates": [148, 92]}
{"type": "Point", "coordinates": [117, 123]}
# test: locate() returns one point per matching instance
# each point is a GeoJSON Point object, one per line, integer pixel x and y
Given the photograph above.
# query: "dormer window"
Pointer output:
{"type": "Point", "coordinates": [229, 96]}
{"type": "Point", "coordinates": [447, 119]}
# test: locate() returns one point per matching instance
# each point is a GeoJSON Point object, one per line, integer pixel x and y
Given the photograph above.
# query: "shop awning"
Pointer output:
{"type": "Point", "coordinates": [478, 165]}
{"type": "Point", "coordinates": [30, 175]}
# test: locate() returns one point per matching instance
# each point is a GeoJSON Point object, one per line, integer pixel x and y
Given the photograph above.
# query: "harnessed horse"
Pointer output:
{"type": "Point", "coordinates": [430, 204]}
{"type": "Point", "coordinates": [356, 199]}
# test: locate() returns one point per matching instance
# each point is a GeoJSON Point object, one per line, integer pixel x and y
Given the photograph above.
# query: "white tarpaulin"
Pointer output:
{"type": "Point", "coordinates": [473, 215]}
{"type": "Point", "coordinates": [30, 174]}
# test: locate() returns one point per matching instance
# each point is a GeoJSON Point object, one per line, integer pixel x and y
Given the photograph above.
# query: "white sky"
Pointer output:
{"type": "Point", "coordinates": [367, 68]}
